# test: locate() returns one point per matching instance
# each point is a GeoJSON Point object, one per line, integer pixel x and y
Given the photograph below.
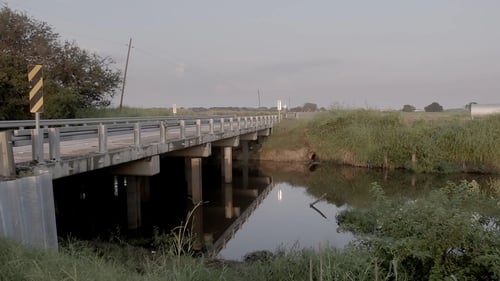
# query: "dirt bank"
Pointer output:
{"type": "Point", "coordinates": [297, 155]}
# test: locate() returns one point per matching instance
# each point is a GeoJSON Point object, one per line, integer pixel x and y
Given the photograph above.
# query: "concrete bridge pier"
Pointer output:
{"type": "Point", "coordinates": [136, 186]}
{"type": "Point", "coordinates": [228, 200]}
{"type": "Point", "coordinates": [193, 172]}
{"type": "Point", "coordinates": [192, 167]}
{"type": "Point", "coordinates": [137, 175]}
{"type": "Point", "coordinates": [245, 140]}
{"type": "Point", "coordinates": [226, 146]}
{"type": "Point", "coordinates": [198, 228]}
{"type": "Point", "coordinates": [227, 164]}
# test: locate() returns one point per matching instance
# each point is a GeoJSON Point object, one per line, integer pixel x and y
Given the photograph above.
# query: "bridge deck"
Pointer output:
{"type": "Point", "coordinates": [76, 149]}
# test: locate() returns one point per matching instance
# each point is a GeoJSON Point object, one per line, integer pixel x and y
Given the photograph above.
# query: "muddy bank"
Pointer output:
{"type": "Point", "coordinates": [298, 155]}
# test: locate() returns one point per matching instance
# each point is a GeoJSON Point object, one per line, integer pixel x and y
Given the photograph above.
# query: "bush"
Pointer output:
{"type": "Point", "coordinates": [454, 233]}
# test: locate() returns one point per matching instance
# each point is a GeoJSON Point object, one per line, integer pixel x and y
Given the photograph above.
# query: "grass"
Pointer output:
{"type": "Point", "coordinates": [79, 260]}
{"type": "Point", "coordinates": [289, 134]}
{"type": "Point", "coordinates": [422, 142]}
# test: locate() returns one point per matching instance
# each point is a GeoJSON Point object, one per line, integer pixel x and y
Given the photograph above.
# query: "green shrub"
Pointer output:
{"type": "Point", "coordinates": [452, 233]}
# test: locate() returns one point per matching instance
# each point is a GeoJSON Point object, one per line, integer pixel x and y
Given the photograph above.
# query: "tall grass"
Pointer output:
{"type": "Point", "coordinates": [79, 260]}
{"type": "Point", "coordinates": [367, 138]}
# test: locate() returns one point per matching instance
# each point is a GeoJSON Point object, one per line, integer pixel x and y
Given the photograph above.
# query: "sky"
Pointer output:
{"type": "Point", "coordinates": [350, 54]}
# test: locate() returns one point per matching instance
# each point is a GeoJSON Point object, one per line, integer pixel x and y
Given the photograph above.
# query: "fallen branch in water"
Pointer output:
{"type": "Point", "coordinates": [319, 199]}
{"type": "Point", "coordinates": [316, 209]}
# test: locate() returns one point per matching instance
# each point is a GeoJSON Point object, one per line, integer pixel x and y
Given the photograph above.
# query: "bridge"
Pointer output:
{"type": "Point", "coordinates": [32, 158]}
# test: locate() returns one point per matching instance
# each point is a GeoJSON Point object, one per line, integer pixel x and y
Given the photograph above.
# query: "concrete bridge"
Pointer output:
{"type": "Point", "coordinates": [32, 158]}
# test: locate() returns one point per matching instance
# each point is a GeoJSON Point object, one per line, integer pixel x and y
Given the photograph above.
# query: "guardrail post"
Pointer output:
{"type": "Point", "coordinates": [239, 123]}
{"type": "Point", "coordinates": [7, 165]}
{"type": "Point", "coordinates": [102, 135]}
{"type": "Point", "coordinates": [37, 145]}
{"type": "Point", "coordinates": [211, 126]}
{"type": "Point", "coordinates": [137, 134]}
{"type": "Point", "coordinates": [198, 127]}
{"type": "Point", "coordinates": [231, 124]}
{"type": "Point", "coordinates": [163, 132]}
{"type": "Point", "coordinates": [182, 124]}
{"type": "Point", "coordinates": [222, 125]}
{"type": "Point", "coordinates": [246, 122]}
{"type": "Point", "coordinates": [54, 144]}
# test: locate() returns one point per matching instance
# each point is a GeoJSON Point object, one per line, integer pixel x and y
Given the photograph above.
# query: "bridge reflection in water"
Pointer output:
{"type": "Point", "coordinates": [94, 205]}
{"type": "Point", "coordinates": [239, 204]}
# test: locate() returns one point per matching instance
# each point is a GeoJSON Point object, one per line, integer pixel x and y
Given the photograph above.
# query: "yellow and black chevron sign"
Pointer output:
{"type": "Point", "coordinates": [35, 78]}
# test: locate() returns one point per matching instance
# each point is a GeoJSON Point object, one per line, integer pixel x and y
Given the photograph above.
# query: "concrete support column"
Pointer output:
{"type": "Point", "coordinates": [193, 173]}
{"type": "Point", "coordinates": [193, 178]}
{"type": "Point", "coordinates": [199, 232]}
{"type": "Point", "coordinates": [228, 200]}
{"type": "Point", "coordinates": [227, 167]}
{"type": "Point", "coordinates": [244, 154]}
{"type": "Point", "coordinates": [134, 215]}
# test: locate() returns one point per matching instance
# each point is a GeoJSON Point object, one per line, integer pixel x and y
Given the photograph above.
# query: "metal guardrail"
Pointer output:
{"type": "Point", "coordinates": [23, 124]}
{"type": "Point", "coordinates": [54, 132]}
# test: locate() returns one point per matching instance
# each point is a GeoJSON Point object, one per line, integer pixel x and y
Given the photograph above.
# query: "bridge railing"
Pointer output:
{"type": "Point", "coordinates": [53, 132]}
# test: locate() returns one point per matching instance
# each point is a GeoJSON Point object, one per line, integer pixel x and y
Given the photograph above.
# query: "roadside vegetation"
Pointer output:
{"type": "Point", "coordinates": [422, 142]}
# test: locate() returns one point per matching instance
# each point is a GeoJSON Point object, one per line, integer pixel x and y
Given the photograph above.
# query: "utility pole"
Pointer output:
{"type": "Point", "coordinates": [125, 74]}
{"type": "Point", "coordinates": [258, 94]}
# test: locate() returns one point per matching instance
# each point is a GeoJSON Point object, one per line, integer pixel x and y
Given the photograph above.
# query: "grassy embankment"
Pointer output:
{"type": "Point", "coordinates": [422, 142]}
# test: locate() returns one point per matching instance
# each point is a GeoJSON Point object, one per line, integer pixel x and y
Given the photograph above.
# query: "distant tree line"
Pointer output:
{"type": "Point", "coordinates": [433, 107]}
{"type": "Point", "coordinates": [74, 78]}
{"type": "Point", "coordinates": [307, 107]}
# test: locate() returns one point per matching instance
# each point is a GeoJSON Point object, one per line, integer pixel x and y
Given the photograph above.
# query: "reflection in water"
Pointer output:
{"type": "Point", "coordinates": [287, 218]}
{"type": "Point", "coordinates": [286, 223]}
{"type": "Point", "coordinates": [265, 208]}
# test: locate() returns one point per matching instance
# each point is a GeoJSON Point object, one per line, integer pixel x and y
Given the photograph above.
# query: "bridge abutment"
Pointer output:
{"type": "Point", "coordinates": [27, 211]}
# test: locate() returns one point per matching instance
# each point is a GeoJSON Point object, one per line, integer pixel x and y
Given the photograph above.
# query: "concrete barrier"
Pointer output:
{"type": "Point", "coordinates": [27, 212]}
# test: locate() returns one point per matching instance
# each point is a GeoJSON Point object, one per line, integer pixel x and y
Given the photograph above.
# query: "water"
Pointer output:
{"type": "Point", "coordinates": [285, 218]}
{"type": "Point", "coordinates": [267, 207]}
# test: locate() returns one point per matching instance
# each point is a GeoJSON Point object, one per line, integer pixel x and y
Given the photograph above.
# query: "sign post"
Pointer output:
{"type": "Point", "coordinates": [35, 79]}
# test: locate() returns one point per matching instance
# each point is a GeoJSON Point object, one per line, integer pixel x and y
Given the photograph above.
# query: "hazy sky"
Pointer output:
{"type": "Point", "coordinates": [371, 54]}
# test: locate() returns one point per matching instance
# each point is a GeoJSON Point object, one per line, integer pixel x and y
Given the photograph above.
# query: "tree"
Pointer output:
{"type": "Point", "coordinates": [309, 107]}
{"type": "Point", "coordinates": [408, 108]}
{"type": "Point", "coordinates": [73, 78]}
{"type": "Point", "coordinates": [433, 107]}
